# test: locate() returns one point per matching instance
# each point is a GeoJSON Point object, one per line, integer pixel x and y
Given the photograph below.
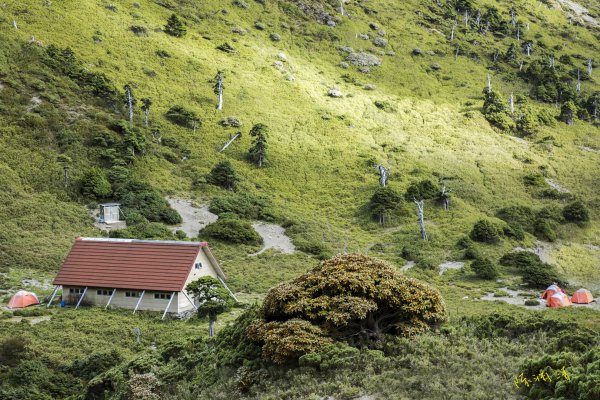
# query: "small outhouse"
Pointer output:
{"type": "Point", "coordinates": [109, 213]}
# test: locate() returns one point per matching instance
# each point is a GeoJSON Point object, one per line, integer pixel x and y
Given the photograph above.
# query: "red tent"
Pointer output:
{"type": "Point", "coordinates": [558, 300]}
{"type": "Point", "coordinates": [23, 299]}
{"type": "Point", "coordinates": [582, 296]}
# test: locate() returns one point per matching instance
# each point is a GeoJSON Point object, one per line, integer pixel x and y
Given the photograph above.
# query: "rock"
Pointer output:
{"type": "Point", "coordinates": [374, 26]}
{"type": "Point", "coordinates": [335, 93]}
{"type": "Point", "coordinates": [417, 51]}
{"type": "Point", "coordinates": [363, 59]}
{"type": "Point", "coordinates": [278, 65]}
{"type": "Point", "coordinates": [260, 26]}
{"type": "Point", "coordinates": [436, 67]}
{"type": "Point", "coordinates": [275, 37]}
{"type": "Point", "coordinates": [290, 78]}
{"type": "Point", "coordinates": [344, 65]}
{"type": "Point", "coordinates": [431, 53]}
{"type": "Point", "coordinates": [380, 42]}
{"type": "Point", "coordinates": [363, 36]}
{"type": "Point", "coordinates": [282, 56]}
{"type": "Point", "coordinates": [369, 86]}
{"type": "Point", "coordinates": [331, 23]}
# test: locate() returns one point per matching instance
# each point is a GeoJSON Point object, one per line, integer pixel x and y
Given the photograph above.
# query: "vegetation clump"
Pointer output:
{"type": "Point", "coordinates": [485, 269]}
{"type": "Point", "coordinates": [175, 26]}
{"type": "Point", "coordinates": [485, 231]}
{"type": "Point", "coordinates": [535, 272]}
{"type": "Point", "coordinates": [230, 229]}
{"type": "Point", "coordinates": [349, 296]}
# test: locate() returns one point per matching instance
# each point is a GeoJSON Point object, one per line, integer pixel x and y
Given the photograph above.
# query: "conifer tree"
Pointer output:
{"type": "Point", "coordinates": [258, 151]}
{"type": "Point", "coordinates": [175, 26]}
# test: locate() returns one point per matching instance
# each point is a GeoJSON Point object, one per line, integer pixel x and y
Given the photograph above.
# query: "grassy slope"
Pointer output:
{"type": "Point", "coordinates": [319, 146]}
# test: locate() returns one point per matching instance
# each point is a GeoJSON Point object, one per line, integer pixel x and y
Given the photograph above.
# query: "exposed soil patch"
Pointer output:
{"type": "Point", "coordinates": [407, 266]}
{"type": "Point", "coordinates": [46, 284]}
{"type": "Point", "coordinates": [589, 149]}
{"type": "Point", "coordinates": [451, 265]}
{"type": "Point", "coordinates": [557, 186]}
{"type": "Point", "coordinates": [274, 237]}
{"type": "Point", "coordinates": [194, 218]}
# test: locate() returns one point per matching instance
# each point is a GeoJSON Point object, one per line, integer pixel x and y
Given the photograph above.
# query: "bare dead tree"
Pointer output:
{"type": "Point", "coordinates": [236, 136]}
{"type": "Point", "coordinates": [15, 24]}
{"type": "Point", "coordinates": [466, 19]}
{"type": "Point", "coordinates": [589, 67]}
{"type": "Point", "coordinates": [129, 96]}
{"type": "Point", "coordinates": [383, 175]}
{"type": "Point", "coordinates": [578, 86]}
{"type": "Point", "coordinates": [513, 16]}
{"type": "Point", "coordinates": [518, 32]}
{"type": "Point", "coordinates": [444, 195]}
{"type": "Point", "coordinates": [457, 51]}
{"type": "Point", "coordinates": [512, 104]}
{"type": "Point", "coordinates": [452, 33]}
{"type": "Point", "coordinates": [342, 7]}
{"type": "Point", "coordinates": [489, 83]}
{"type": "Point", "coordinates": [496, 54]}
{"type": "Point", "coordinates": [420, 207]}
{"type": "Point", "coordinates": [478, 18]}
{"type": "Point", "coordinates": [146, 104]}
{"type": "Point", "coordinates": [551, 62]}
{"type": "Point", "coordinates": [528, 49]}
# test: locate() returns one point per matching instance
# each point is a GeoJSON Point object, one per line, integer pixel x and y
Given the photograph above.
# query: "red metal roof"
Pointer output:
{"type": "Point", "coordinates": [129, 264]}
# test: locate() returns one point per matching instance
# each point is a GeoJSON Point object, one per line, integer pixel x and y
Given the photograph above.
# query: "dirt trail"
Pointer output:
{"type": "Point", "coordinates": [274, 237]}
{"type": "Point", "coordinates": [194, 218]}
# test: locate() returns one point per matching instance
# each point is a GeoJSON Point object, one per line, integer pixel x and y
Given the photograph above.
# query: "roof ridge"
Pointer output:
{"type": "Point", "coordinates": [115, 240]}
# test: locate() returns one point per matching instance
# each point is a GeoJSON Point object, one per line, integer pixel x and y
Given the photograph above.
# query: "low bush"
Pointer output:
{"type": "Point", "coordinates": [184, 117]}
{"type": "Point", "coordinates": [485, 231]}
{"type": "Point", "coordinates": [518, 216]}
{"type": "Point", "coordinates": [576, 212]}
{"type": "Point", "coordinates": [535, 272]}
{"type": "Point", "coordinates": [244, 205]}
{"type": "Point", "coordinates": [485, 269]}
{"type": "Point", "coordinates": [138, 198]}
{"type": "Point", "coordinates": [232, 230]}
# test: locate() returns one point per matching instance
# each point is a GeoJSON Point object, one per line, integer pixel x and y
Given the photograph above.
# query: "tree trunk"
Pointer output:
{"type": "Point", "coordinates": [211, 326]}
{"type": "Point", "coordinates": [220, 106]}
{"type": "Point", "coordinates": [342, 7]}
{"type": "Point", "coordinates": [383, 175]}
{"type": "Point", "coordinates": [130, 104]}
{"type": "Point", "coordinates": [237, 135]}
{"type": "Point", "coordinates": [146, 114]}
{"type": "Point", "coordinates": [66, 177]}
{"type": "Point", "coordinates": [420, 204]}
{"type": "Point", "coordinates": [260, 161]}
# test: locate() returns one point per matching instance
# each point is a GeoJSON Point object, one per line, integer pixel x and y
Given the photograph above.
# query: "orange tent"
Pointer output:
{"type": "Point", "coordinates": [550, 290]}
{"type": "Point", "coordinates": [582, 296]}
{"type": "Point", "coordinates": [23, 299]}
{"type": "Point", "coordinates": [558, 300]}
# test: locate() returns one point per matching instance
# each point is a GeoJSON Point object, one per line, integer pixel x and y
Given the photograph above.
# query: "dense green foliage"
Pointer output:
{"type": "Point", "coordinates": [230, 229]}
{"type": "Point", "coordinates": [535, 272]}
{"type": "Point", "coordinates": [485, 231]}
{"type": "Point", "coordinates": [349, 297]}
{"type": "Point", "coordinates": [485, 268]}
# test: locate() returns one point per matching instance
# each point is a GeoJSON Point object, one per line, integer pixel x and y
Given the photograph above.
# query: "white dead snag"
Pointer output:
{"type": "Point", "coordinates": [521, 66]}
{"type": "Point", "coordinates": [383, 175]}
{"type": "Point", "coordinates": [478, 18]}
{"type": "Point", "coordinates": [342, 7]}
{"type": "Point", "coordinates": [528, 49]}
{"type": "Point", "coordinates": [146, 104]}
{"type": "Point", "coordinates": [218, 88]}
{"type": "Point", "coordinates": [194, 126]}
{"type": "Point", "coordinates": [512, 104]}
{"type": "Point", "coordinates": [237, 135]}
{"type": "Point", "coordinates": [589, 67]}
{"type": "Point", "coordinates": [15, 24]}
{"type": "Point", "coordinates": [466, 19]}
{"type": "Point", "coordinates": [452, 33]}
{"type": "Point", "coordinates": [518, 33]}
{"type": "Point", "coordinates": [578, 86]}
{"type": "Point", "coordinates": [496, 54]}
{"type": "Point", "coordinates": [445, 196]}
{"type": "Point", "coordinates": [129, 102]}
{"type": "Point", "coordinates": [551, 62]}
{"type": "Point", "coordinates": [420, 204]}
{"type": "Point", "coordinates": [513, 17]}
{"type": "Point", "coordinates": [489, 83]}
{"type": "Point", "coordinates": [456, 52]}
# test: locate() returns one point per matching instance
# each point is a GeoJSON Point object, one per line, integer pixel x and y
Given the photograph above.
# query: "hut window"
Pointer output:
{"type": "Point", "coordinates": [132, 294]}
{"type": "Point", "coordinates": [76, 290]}
{"type": "Point", "coordinates": [198, 265]}
{"type": "Point", "coordinates": [104, 292]}
{"type": "Point", "coordinates": [162, 296]}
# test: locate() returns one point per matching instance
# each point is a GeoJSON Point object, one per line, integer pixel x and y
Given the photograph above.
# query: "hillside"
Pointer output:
{"type": "Point", "coordinates": [403, 85]}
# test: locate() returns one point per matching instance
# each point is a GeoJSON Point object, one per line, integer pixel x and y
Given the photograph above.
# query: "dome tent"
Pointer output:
{"type": "Point", "coordinates": [582, 296]}
{"type": "Point", "coordinates": [558, 300]}
{"type": "Point", "coordinates": [23, 299]}
{"type": "Point", "coordinates": [551, 290]}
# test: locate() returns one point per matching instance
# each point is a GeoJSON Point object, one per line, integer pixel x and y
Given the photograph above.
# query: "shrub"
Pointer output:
{"type": "Point", "coordinates": [485, 269]}
{"type": "Point", "coordinates": [535, 179]}
{"type": "Point", "coordinates": [384, 200]}
{"type": "Point", "coordinates": [513, 232]}
{"type": "Point", "coordinates": [243, 205]}
{"type": "Point", "coordinates": [226, 47]}
{"type": "Point", "coordinates": [184, 117]}
{"type": "Point", "coordinates": [275, 37]}
{"type": "Point", "coordinates": [139, 198]}
{"type": "Point", "coordinates": [232, 230]}
{"type": "Point", "coordinates": [532, 302]}
{"type": "Point", "coordinates": [95, 364]}
{"type": "Point", "coordinates": [350, 296]}
{"type": "Point", "coordinates": [94, 184]}
{"type": "Point", "coordinates": [576, 212]}
{"type": "Point", "coordinates": [535, 272]}
{"type": "Point", "coordinates": [518, 216]}
{"type": "Point", "coordinates": [175, 26]}
{"type": "Point", "coordinates": [545, 229]}
{"type": "Point", "coordinates": [552, 212]}
{"type": "Point", "coordinates": [139, 30]}
{"type": "Point", "coordinates": [233, 122]}
{"type": "Point", "coordinates": [485, 231]}
{"type": "Point", "coordinates": [13, 350]}
{"type": "Point", "coordinates": [223, 174]}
